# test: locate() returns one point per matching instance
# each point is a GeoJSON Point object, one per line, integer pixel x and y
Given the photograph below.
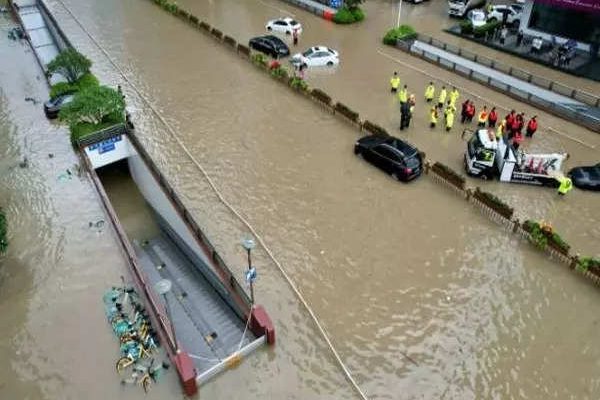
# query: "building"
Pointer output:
{"type": "Point", "coordinates": [563, 19]}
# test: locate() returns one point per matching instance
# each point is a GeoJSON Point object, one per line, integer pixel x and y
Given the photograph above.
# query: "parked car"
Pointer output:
{"type": "Point", "coordinates": [316, 56]}
{"type": "Point", "coordinates": [477, 17]}
{"type": "Point", "coordinates": [459, 8]}
{"type": "Point", "coordinates": [270, 45]}
{"type": "Point", "coordinates": [395, 156]}
{"type": "Point", "coordinates": [513, 12]}
{"type": "Point", "coordinates": [586, 177]}
{"type": "Point", "coordinates": [53, 106]}
{"type": "Point", "coordinates": [284, 25]}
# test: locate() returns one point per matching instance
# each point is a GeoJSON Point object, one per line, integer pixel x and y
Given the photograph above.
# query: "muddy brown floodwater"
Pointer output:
{"type": "Point", "coordinates": [423, 297]}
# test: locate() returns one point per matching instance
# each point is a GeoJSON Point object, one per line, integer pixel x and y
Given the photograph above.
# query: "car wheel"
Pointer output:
{"type": "Point", "coordinates": [484, 176]}
{"type": "Point", "coordinates": [288, 32]}
{"type": "Point", "coordinates": [330, 63]}
{"type": "Point", "coordinates": [269, 28]}
{"type": "Point", "coordinates": [304, 65]}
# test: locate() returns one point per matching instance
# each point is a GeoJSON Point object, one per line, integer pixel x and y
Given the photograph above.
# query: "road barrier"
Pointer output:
{"type": "Point", "coordinates": [580, 118]}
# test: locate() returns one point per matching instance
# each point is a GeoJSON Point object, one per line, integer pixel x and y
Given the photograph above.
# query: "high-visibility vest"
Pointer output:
{"type": "Point", "coordinates": [403, 95]}
{"type": "Point", "coordinates": [449, 119]}
{"type": "Point", "coordinates": [454, 95]}
{"type": "Point", "coordinates": [433, 116]}
{"type": "Point", "coordinates": [565, 185]}
{"type": "Point", "coordinates": [500, 129]}
{"type": "Point", "coordinates": [395, 82]}
{"type": "Point", "coordinates": [442, 98]}
{"type": "Point", "coordinates": [483, 116]}
{"type": "Point", "coordinates": [429, 92]}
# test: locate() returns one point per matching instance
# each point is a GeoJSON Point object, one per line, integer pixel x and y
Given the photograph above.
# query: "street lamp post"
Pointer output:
{"type": "Point", "coordinates": [399, 12]}
{"type": "Point", "coordinates": [163, 287]}
{"type": "Point", "coordinates": [249, 244]}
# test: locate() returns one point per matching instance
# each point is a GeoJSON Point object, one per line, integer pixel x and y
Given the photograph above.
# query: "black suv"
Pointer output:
{"type": "Point", "coordinates": [395, 156]}
{"type": "Point", "coordinates": [270, 45]}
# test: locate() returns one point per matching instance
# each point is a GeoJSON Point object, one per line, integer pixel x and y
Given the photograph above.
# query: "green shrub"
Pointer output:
{"type": "Point", "coordinates": [347, 15]}
{"type": "Point", "coordinates": [466, 27]}
{"type": "Point", "coordinates": [494, 202]}
{"type": "Point", "coordinates": [480, 31]}
{"type": "Point", "coordinates": [589, 264]}
{"type": "Point", "coordinates": [403, 32]}
{"type": "Point", "coordinates": [449, 174]}
{"type": "Point", "coordinates": [193, 19]}
{"type": "Point", "coordinates": [183, 13]}
{"type": "Point", "coordinates": [87, 81]}
{"type": "Point", "coordinates": [3, 232]}
{"type": "Point", "coordinates": [321, 96]}
{"type": "Point", "coordinates": [347, 112]}
{"type": "Point", "coordinates": [543, 235]}
{"type": "Point", "coordinates": [298, 84]}
{"type": "Point", "coordinates": [71, 64]}
{"type": "Point", "coordinates": [280, 72]}
{"type": "Point", "coordinates": [259, 59]}
{"type": "Point", "coordinates": [374, 129]}
{"type": "Point", "coordinates": [60, 88]}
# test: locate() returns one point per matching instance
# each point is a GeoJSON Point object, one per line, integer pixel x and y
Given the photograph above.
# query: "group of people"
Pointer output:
{"type": "Point", "coordinates": [510, 127]}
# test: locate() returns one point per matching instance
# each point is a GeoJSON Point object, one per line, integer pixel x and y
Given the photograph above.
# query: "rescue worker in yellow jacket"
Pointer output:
{"type": "Point", "coordinates": [442, 97]}
{"type": "Point", "coordinates": [433, 117]}
{"type": "Point", "coordinates": [565, 185]}
{"type": "Point", "coordinates": [395, 82]}
{"type": "Point", "coordinates": [449, 113]}
{"type": "Point", "coordinates": [429, 92]}
{"type": "Point", "coordinates": [454, 95]}
{"type": "Point", "coordinates": [501, 129]}
{"type": "Point", "coordinates": [403, 95]}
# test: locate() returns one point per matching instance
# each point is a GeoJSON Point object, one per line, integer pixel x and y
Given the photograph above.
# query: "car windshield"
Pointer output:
{"type": "Point", "coordinates": [478, 16]}
{"type": "Point", "coordinates": [474, 144]}
{"type": "Point", "coordinates": [307, 52]}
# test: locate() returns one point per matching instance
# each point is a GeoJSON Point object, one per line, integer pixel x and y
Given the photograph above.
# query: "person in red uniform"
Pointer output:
{"type": "Point", "coordinates": [509, 118]}
{"type": "Point", "coordinates": [516, 140]}
{"type": "Point", "coordinates": [521, 119]}
{"type": "Point", "coordinates": [470, 112]}
{"type": "Point", "coordinates": [532, 126]}
{"type": "Point", "coordinates": [514, 126]}
{"type": "Point", "coordinates": [463, 112]}
{"type": "Point", "coordinates": [492, 118]}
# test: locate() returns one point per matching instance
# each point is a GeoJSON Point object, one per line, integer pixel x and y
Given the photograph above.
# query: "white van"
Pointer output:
{"type": "Point", "coordinates": [459, 8]}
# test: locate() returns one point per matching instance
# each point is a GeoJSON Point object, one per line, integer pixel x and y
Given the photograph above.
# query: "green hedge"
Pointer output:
{"type": "Point", "coordinates": [466, 27]}
{"type": "Point", "coordinates": [543, 236]}
{"type": "Point", "coordinates": [480, 31]}
{"type": "Point", "coordinates": [3, 232]}
{"type": "Point", "coordinates": [374, 129]}
{"type": "Point", "coordinates": [347, 15]}
{"type": "Point", "coordinates": [495, 203]}
{"type": "Point", "coordinates": [347, 112]}
{"type": "Point", "coordinates": [86, 81]}
{"type": "Point", "coordinates": [298, 84]}
{"type": "Point", "coordinates": [321, 96]}
{"type": "Point", "coordinates": [259, 59]}
{"type": "Point", "coordinates": [449, 174]}
{"type": "Point", "coordinates": [590, 264]}
{"type": "Point", "coordinates": [279, 72]}
{"type": "Point", "coordinates": [403, 32]}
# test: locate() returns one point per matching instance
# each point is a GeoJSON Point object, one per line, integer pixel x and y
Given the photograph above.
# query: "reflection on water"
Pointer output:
{"type": "Point", "coordinates": [423, 297]}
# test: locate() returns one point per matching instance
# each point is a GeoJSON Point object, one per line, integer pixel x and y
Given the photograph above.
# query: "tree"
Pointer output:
{"type": "Point", "coordinates": [94, 105]}
{"type": "Point", "coordinates": [352, 4]}
{"type": "Point", "coordinates": [71, 64]}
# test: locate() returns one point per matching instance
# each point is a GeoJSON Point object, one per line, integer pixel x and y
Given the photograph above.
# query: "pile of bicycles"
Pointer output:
{"type": "Point", "coordinates": [137, 339]}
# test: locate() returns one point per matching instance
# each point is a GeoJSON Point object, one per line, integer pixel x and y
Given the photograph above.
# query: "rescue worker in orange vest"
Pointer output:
{"type": "Point", "coordinates": [531, 126]}
{"type": "Point", "coordinates": [395, 82]}
{"type": "Point", "coordinates": [483, 116]}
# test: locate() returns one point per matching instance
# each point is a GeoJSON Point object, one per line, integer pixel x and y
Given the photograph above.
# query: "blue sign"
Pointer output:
{"type": "Point", "coordinates": [251, 275]}
{"type": "Point", "coordinates": [335, 3]}
{"type": "Point", "coordinates": [105, 145]}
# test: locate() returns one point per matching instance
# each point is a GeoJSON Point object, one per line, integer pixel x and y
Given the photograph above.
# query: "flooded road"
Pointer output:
{"type": "Point", "coordinates": [422, 297]}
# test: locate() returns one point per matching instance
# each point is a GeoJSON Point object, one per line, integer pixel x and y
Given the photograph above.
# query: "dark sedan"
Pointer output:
{"type": "Point", "coordinates": [270, 45]}
{"type": "Point", "coordinates": [586, 177]}
{"type": "Point", "coordinates": [52, 107]}
{"type": "Point", "coordinates": [395, 156]}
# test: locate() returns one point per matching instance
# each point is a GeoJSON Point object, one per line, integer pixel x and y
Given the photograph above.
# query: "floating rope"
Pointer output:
{"type": "Point", "coordinates": [345, 369]}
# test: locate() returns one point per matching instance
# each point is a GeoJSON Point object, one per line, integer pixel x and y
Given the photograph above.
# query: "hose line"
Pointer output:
{"type": "Point", "coordinates": [337, 356]}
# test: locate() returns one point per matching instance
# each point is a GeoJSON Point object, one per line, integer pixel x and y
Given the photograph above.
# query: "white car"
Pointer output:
{"type": "Point", "coordinates": [497, 13]}
{"type": "Point", "coordinates": [317, 56]}
{"type": "Point", "coordinates": [284, 25]}
{"type": "Point", "coordinates": [477, 18]}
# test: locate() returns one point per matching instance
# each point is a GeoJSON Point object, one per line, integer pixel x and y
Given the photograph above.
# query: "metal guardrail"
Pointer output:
{"type": "Point", "coordinates": [577, 117]}
{"type": "Point", "coordinates": [577, 94]}
{"type": "Point", "coordinates": [103, 134]}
